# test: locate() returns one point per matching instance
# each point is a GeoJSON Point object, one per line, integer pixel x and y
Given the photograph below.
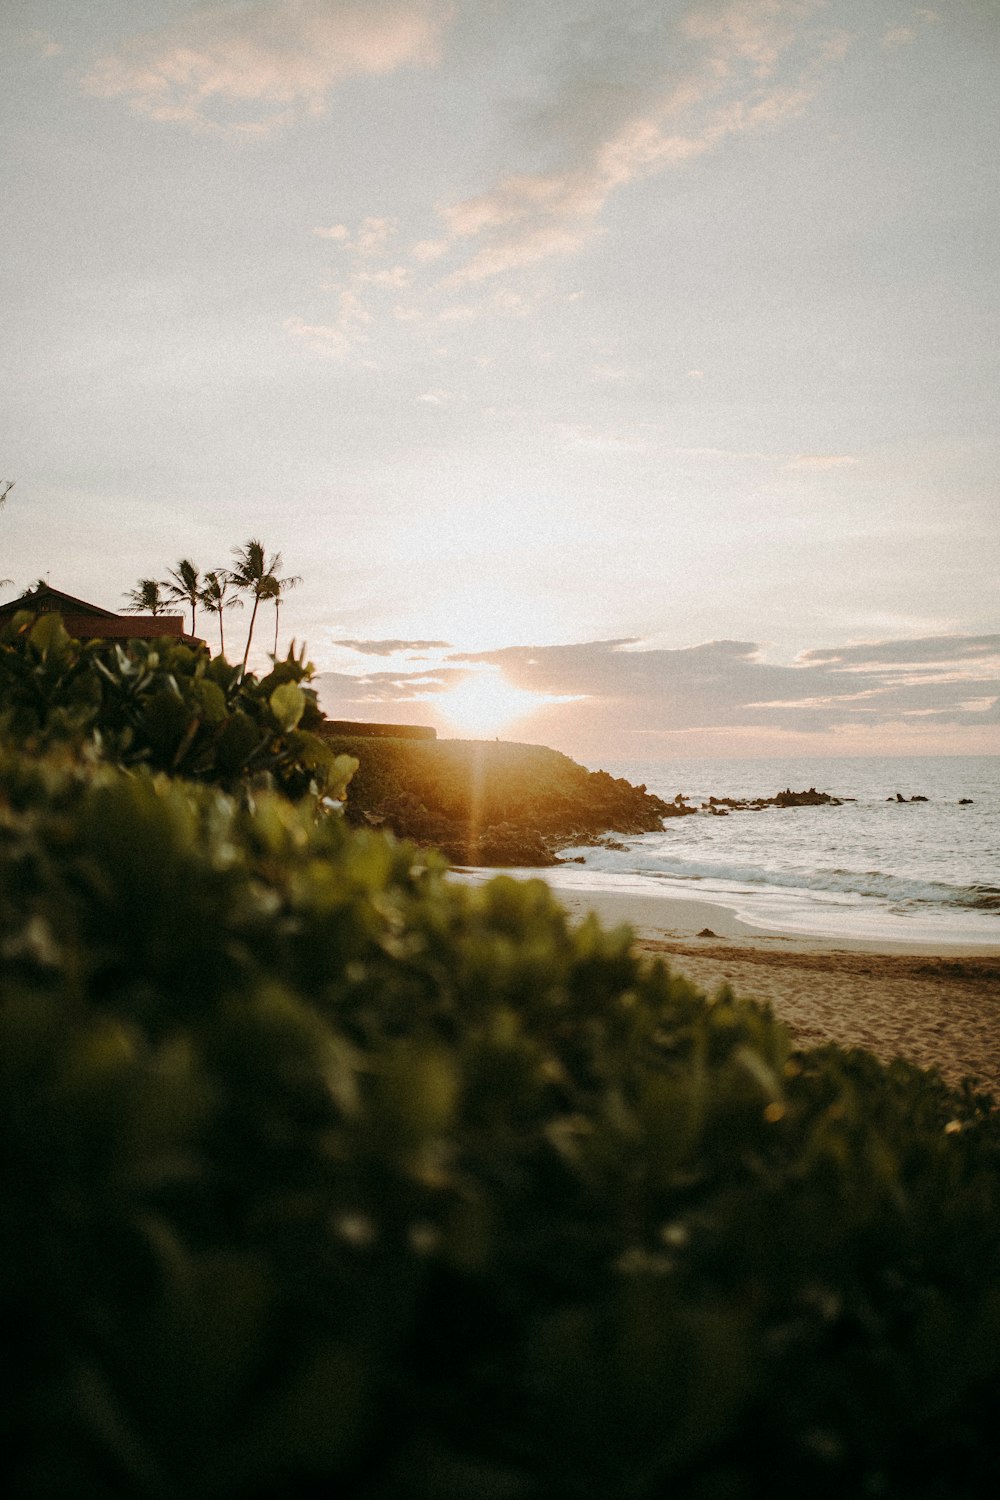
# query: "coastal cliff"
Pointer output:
{"type": "Point", "coordinates": [488, 802]}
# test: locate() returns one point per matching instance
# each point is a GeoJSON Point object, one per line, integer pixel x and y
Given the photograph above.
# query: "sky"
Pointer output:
{"type": "Point", "coordinates": [618, 376]}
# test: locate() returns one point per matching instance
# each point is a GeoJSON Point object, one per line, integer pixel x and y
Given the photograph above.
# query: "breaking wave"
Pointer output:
{"type": "Point", "coordinates": [893, 891]}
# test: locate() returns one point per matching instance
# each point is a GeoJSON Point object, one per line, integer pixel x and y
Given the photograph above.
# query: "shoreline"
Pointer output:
{"type": "Point", "coordinates": [935, 1004]}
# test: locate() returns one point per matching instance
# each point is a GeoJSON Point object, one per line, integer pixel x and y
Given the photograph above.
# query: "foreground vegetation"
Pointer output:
{"type": "Point", "coordinates": [326, 1176]}
{"type": "Point", "coordinates": [166, 706]}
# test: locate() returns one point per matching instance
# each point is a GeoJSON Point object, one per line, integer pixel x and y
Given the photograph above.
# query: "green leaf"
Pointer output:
{"type": "Point", "coordinates": [49, 636]}
{"type": "Point", "coordinates": [288, 704]}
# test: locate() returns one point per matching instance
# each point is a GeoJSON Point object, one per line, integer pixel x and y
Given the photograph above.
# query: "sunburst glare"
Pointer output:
{"type": "Point", "coordinates": [484, 703]}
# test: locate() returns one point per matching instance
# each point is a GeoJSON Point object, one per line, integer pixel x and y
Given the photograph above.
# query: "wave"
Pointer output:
{"type": "Point", "coordinates": [893, 890]}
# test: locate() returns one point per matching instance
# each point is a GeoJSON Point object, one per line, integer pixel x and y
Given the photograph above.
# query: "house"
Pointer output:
{"type": "Point", "coordinates": [90, 622]}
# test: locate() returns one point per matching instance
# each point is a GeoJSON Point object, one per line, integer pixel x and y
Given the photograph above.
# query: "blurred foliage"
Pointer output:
{"type": "Point", "coordinates": [325, 1176]}
{"type": "Point", "coordinates": [168, 706]}
{"type": "Point", "coordinates": [490, 802]}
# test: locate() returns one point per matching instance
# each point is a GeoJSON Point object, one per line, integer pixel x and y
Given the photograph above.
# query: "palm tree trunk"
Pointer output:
{"type": "Point", "coordinates": [253, 616]}
{"type": "Point", "coordinates": [277, 606]}
{"type": "Point", "coordinates": [222, 636]}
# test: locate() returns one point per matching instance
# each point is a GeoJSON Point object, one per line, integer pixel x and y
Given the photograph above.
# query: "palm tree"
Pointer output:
{"type": "Point", "coordinates": [215, 596]}
{"type": "Point", "coordinates": [256, 574]}
{"type": "Point", "coordinates": [145, 598]}
{"type": "Point", "coordinates": [273, 589]}
{"type": "Point", "coordinates": [184, 586]}
{"type": "Point", "coordinates": [6, 485]}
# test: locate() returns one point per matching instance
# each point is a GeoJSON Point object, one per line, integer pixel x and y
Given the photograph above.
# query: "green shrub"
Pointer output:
{"type": "Point", "coordinates": [325, 1176]}
{"type": "Point", "coordinates": [166, 705]}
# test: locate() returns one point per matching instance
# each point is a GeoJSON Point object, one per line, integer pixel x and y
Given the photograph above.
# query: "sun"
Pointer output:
{"type": "Point", "coordinates": [484, 703]}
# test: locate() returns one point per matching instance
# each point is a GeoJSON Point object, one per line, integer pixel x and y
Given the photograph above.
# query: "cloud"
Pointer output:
{"type": "Point", "coordinates": [820, 461]}
{"type": "Point", "coordinates": [375, 694]}
{"type": "Point", "coordinates": [392, 647]}
{"type": "Point", "coordinates": [41, 43]}
{"type": "Point", "coordinates": [438, 397]}
{"type": "Point", "coordinates": [374, 237]}
{"type": "Point", "coordinates": [250, 67]}
{"type": "Point", "coordinates": [626, 93]}
{"type": "Point", "coordinates": [905, 35]}
{"type": "Point", "coordinates": [647, 91]}
{"type": "Point", "coordinates": [334, 340]}
{"type": "Point", "coordinates": [396, 277]}
{"type": "Point", "coordinates": [948, 649]}
{"type": "Point", "coordinates": [618, 686]}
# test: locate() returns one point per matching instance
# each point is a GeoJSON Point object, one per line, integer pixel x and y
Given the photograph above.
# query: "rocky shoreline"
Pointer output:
{"type": "Point", "coordinates": [497, 803]}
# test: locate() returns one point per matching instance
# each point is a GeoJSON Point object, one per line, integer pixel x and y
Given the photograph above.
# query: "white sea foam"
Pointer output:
{"type": "Point", "coordinates": [873, 867]}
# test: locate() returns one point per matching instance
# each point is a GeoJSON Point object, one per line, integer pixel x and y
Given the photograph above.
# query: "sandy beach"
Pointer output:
{"type": "Point", "coordinates": [936, 1006]}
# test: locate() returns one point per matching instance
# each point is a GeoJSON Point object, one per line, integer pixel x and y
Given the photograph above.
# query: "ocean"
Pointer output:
{"type": "Point", "coordinates": [873, 868]}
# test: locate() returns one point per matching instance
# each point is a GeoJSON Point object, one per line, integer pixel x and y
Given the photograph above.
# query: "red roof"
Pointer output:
{"type": "Point", "coordinates": [90, 622]}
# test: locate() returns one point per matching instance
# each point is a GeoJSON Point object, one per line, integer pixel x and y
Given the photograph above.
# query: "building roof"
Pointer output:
{"type": "Point", "coordinates": [44, 597]}
{"type": "Point", "coordinates": [90, 621]}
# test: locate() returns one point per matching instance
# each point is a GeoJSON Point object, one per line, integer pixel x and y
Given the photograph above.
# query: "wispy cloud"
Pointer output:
{"type": "Point", "coordinates": [623, 96]}
{"type": "Point", "coordinates": [369, 692]}
{"type": "Point", "coordinates": [905, 34]}
{"type": "Point", "coordinates": [250, 67]}
{"type": "Point", "coordinates": [337, 339]}
{"type": "Point", "coordinates": [41, 43]}
{"type": "Point", "coordinates": [391, 647]}
{"type": "Point", "coordinates": [921, 651]}
{"type": "Point", "coordinates": [374, 236]}
{"type": "Point", "coordinates": [669, 91]}
{"type": "Point", "coordinates": [817, 462]}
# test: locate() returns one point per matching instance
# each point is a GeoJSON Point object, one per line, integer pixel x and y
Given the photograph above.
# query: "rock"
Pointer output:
{"type": "Point", "coordinates": [965, 801]}
{"type": "Point", "coordinates": [811, 798]}
{"type": "Point", "coordinates": [787, 798]}
{"type": "Point", "coordinates": [707, 932]}
{"type": "Point", "coordinates": [677, 809]}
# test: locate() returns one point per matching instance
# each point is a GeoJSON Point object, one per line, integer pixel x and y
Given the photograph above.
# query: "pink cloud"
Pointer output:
{"type": "Point", "coordinates": [251, 67]}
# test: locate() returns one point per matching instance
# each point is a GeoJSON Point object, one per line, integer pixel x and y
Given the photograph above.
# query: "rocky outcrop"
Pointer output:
{"type": "Point", "coordinates": [487, 802]}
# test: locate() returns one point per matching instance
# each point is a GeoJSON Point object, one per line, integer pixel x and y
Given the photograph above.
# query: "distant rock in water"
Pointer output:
{"type": "Point", "coordinates": [965, 801]}
{"type": "Point", "coordinates": [900, 798]}
{"type": "Point", "coordinates": [787, 798]}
